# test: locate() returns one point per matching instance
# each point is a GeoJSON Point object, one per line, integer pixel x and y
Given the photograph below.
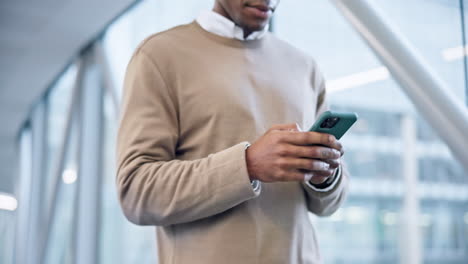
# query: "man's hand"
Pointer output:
{"type": "Point", "coordinates": [285, 154]}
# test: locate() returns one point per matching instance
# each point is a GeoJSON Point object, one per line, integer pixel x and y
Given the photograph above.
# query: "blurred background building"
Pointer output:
{"type": "Point", "coordinates": [62, 66]}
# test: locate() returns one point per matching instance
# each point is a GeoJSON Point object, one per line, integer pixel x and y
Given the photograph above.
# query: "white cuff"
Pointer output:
{"type": "Point", "coordinates": [256, 185]}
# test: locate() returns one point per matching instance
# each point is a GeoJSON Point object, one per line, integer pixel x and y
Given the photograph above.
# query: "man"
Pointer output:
{"type": "Point", "coordinates": [195, 95]}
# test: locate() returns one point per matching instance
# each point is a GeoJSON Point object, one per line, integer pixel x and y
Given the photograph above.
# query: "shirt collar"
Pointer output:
{"type": "Point", "coordinates": [220, 25]}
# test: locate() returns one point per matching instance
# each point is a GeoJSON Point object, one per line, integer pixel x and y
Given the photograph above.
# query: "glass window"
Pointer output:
{"type": "Point", "coordinates": [433, 27]}
{"type": "Point", "coordinates": [61, 242]}
{"type": "Point", "coordinates": [362, 231]}
{"type": "Point", "coordinates": [143, 20]}
{"type": "Point", "coordinates": [357, 81]}
{"type": "Point", "coordinates": [444, 226]}
{"type": "Point", "coordinates": [120, 240]}
{"type": "Point", "coordinates": [7, 235]}
{"type": "Point", "coordinates": [58, 102]}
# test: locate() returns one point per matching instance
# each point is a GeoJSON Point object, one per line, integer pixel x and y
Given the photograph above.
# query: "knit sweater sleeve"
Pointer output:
{"type": "Point", "coordinates": [319, 202]}
{"type": "Point", "coordinates": [154, 188]}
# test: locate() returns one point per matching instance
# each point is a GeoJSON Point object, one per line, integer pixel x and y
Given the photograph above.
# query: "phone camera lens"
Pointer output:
{"type": "Point", "coordinates": [330, 122]}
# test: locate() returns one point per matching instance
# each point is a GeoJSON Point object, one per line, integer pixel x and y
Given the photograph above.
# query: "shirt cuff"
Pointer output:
{"type": "Point", "coordinates": [328, 187]}
{"type": "Point", "coordinates": [256, 185]}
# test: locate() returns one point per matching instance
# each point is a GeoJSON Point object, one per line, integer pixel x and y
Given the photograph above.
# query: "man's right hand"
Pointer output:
{"type": "Point", "coordinates": [285, 154]}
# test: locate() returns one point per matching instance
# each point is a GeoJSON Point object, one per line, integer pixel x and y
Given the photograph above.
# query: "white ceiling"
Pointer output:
{"type": "Point", "coordinates": [38, 39]}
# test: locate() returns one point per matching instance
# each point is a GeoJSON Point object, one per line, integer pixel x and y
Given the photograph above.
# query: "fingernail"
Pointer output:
{"type": "Point", "coordinates": [325, 166]}
{"type": "Point", "coordinates": [307, 177]}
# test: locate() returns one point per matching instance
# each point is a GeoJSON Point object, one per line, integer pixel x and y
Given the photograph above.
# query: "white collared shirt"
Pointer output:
{"type": "Point", "coordinates": [222, 26]}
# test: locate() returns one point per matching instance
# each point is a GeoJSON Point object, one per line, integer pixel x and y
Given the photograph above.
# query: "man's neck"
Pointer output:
{"type": "Point", "coordinates": [220, 10]}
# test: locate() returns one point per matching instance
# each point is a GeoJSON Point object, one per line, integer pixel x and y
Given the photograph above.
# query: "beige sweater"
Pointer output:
{"type": "Point", "coordinates": [192, 99]}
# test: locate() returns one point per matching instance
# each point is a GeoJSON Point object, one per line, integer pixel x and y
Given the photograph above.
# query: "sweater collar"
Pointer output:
{"type": "Point", "coordinates": [221, 26]}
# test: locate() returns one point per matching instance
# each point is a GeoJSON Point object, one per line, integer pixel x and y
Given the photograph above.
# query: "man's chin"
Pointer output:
{"type": "Point", "coordinates": [256, 27]}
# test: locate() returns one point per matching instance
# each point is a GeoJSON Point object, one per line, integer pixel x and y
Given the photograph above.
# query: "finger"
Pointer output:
{"type": "Point", "coordinates": [334, 163]}
{"type": "Point", "coordinates": [340, 147]}
{"type": "Point", "coordinates": [308, 176]}
{"type": "Point", "coordinates": [306, 164]}
{"type": "Point", "coordinates": [295, 176]}
{"type": "Point", "coordinates": [312, 152]}
{"type": "Point", "coordinates": [290, 175]}
{"type": "Point", "coordinates": [318, 179]}
{"type": "Point", "coordinates": [289, 127]}
{"type": "Point", "coordinates": [313, 177]}
{"type": "Point", "coordinates": [323, 173]}
{"type": "Point", "coordinates": [312, 138]}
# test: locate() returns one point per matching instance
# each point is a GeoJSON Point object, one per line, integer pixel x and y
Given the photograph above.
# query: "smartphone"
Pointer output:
{"type": "Point", "coordinates": [334, 123]}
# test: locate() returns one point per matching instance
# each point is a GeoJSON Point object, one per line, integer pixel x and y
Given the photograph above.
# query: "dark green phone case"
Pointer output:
{"type": "Point", "coordinates": [345, 121]}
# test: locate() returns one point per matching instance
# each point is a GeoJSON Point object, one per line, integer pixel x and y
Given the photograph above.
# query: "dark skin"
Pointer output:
{"type": "Point", "coordinates": [250, 15]}
{"type": "Point", "coordinates": [283, 153]}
